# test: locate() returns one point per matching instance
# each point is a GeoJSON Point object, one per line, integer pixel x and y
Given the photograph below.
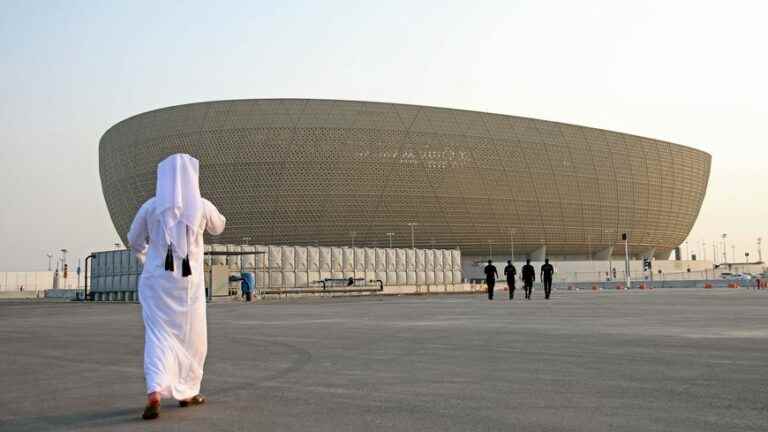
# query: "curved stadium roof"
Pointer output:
{"type": "Point", "coordinates": [331, 172]}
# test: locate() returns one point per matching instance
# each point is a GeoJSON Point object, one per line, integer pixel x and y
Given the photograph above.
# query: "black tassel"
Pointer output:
{"type": "Point", "coordinates": [186, 270]}
{"type": "Point", "coordinates": [169, 260]}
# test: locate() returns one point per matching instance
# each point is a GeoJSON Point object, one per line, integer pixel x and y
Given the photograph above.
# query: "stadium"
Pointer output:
{"type": "Point", "coordinates": [371, 174]}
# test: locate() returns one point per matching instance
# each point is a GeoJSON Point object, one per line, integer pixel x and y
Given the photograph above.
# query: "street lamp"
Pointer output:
{"type": "Point", "coordinates": [733, 253]}
{"type": "Point", "coordinates": [687, 253]}
{"type": "Point", "coordinates": [725, 248]}
{"type": "Point", "coordinates": [512, 245]}
{"type": "Point", "coordinates": [50, 257]}
{"type": "Point", "coordinates": [746, 257]}
{"type": "Point", "coordinates": [390, 234]}
{"type": "Point", "coordinates": [759, 249]}
{"type": "Point", "coordinates": [412, 224]}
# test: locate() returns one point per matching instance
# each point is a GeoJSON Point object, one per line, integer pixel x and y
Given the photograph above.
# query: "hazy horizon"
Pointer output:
{"type": "Point", "coordinates": [691, 73]}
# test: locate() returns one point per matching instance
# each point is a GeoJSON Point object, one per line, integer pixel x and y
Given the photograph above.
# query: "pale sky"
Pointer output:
{"type": "Point", "coordinates": [689, 72]}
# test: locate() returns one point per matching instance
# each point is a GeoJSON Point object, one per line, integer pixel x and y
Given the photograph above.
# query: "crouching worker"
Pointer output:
{"type": "Point", "coordinates": [167, 237]}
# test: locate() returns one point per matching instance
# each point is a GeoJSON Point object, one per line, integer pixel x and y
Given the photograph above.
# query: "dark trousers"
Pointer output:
{"type": "Point", "coordinates": [511, 287]}
{"type": "Point", "coordinates": [528, 287]}
{"type": "Point", "coordinates": [547, 287]}
{"type": "Point", "coordinates": [490, 283]}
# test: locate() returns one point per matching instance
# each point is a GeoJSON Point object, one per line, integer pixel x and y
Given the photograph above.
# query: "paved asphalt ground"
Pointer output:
{"type": "Point", "coordinates": [667, 360]}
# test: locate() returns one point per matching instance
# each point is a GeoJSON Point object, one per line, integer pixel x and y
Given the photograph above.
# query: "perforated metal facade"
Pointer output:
{"type": "Point", "coordinates": [327, 172]}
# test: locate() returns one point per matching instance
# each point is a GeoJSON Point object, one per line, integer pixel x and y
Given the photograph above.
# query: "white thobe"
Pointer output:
{"type": "Point", "coordinates": [173, 307]}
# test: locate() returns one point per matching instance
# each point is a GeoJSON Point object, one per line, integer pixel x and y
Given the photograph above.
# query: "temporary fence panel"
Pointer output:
{"type": "Point", "coordinates": [456, 259]}
{"type": "Point", "coordinates": [410, 277]}
{"type": "Point", "coordinates": [325, 259]}
{"type": "Point", "coordinates": [207, 258]}
{"type": "Point", "coordinates": [382, 276]}
{"type": "Point", "coordinates": [218, 259]}
{"type": "Point", "coordinates": [447, 260]}
{"type": "Point", "coordinates": [125, 262]}
{"type": "Point", "coordinates": [402, 278]}
{"type": "Point", "coordinates": [301, 279]}
{"type": "Point", "coordinates": [249, 260]}
{"type": "Point", "coordinates": [410, 260]}
{"type": "Point", "coordinates": [337, 257]}
{"type": "Point", "coordinates": [370, 275]}
{"type": "Point", "coordinates": [392, 277]}
{"type": "Point", "coordinates": [348, 263]}
{"type": "Point", "coordinates": [313, 277]}
{"type": "Point", "coordinates": [401, 264]}
{"type": "Point", "coordinates": [289, 279]}
{"type": "Point", "coordinates": [300, 258]}
{"type": "Point", "coordinates": [233, 261]}
{"type": "Point", "coordinates": [448, 277]}
{"type": "Point", "coordinates": [439, 280]}
{"type": "Point", "coordinates": [457, 279]}
{"type": "Point", "coordinates": [391, 260]}
{"type": "Point", "coordinates": [262, 259]}
{"type": "Point", "coordinates": [133, 264]}
{"type": "Point", "coordinates": [430, 277]}
{"type": "Point", "coordinates": [96, 283]}
{"type": "Point", "coordinates": [288, 258]}
{"type": "Point", "coordinates": [429, 260]}
{"type": "Point", "coordinates": [438, 259]}
{"type": "Point", "coordinates": [275, 258]}
{"type": "Point", "coordinates": [359, 259]}
{"type": "Point", "coordinates": [381, 260]}
{"type": "Point", "coordinates": [275, 279]}
{"type": "Point", "coordinates": [313, 259]}
{"type": "Point", "coordinates": [421, 278]}
{"type": "Point", "coordinates": [420, 260]}
{"type": "Point", "coordinates": [109, 283]}
{"type": "Point", "coordinates": [370, 260]}
{"type": "Point", "coordinates": [124, 284]}
{"type": "Point", "coordinates": [133, 282]}
{"type": "Point", "coordinates": [109, 267]}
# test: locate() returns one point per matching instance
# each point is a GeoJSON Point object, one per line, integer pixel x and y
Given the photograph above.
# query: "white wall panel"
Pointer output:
{"type": "Point", "coordinates": [313, 259]}
{"type": "Point", "coordinates": [325, 259]}
{"type": "Point", "coordinates": [287, 256]}
{"type": "Point", "coordinates": [337, 258]}
{"type": "Point", "coordinates": [348, 263]}
{"type": "Point", "coordinates": [300, 259]}
{"type": "Point", "coordinates": [359, 259]}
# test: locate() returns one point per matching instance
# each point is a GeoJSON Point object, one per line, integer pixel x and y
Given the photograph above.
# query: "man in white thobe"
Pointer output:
{"type": "Point", "coordinates": [167, 236]}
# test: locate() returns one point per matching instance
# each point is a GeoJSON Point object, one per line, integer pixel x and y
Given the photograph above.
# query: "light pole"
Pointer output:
{"type": "Point", "coordinates": [714, 252]}
{"type": "Point", "coordinates": [50, 257]}
{"type": "Point", "coordinates": [390, 234]}
{"type": "Point", "coordinates": [704, 251]}
{"type": "Point", "coordinates": [733, 253]}
{"type": "Point", "coordinates": [687, 252]}
{"type": "Point", "coordinates": [512, 245]}
{"type": "Point", "coordinates": [490, 250]}
{"type": "Point", "coordinates": [413, 243]}
{"type": "Point", "coordinates": [759, 249]}
{"type": "Point", "coordinates": [746, 257]}
{"type": "Point", "coordinates": [725, 248]}
{"type": "Point", "coordinates": [626, 260]}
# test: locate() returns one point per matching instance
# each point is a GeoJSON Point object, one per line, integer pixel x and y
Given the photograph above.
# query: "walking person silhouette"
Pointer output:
{"type": "Point", "coordinates": [510, 271]}
{"type": "Point", "coordinates": [490, 278]}
{"type": "Point", "coordinates": [529, 275]}
{"type": "Point", "coordinates": [546, 277]}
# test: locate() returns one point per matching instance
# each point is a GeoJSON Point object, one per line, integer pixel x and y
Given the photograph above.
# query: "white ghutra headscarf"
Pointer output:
{"type": "Point", "coordinates": [178, 204]}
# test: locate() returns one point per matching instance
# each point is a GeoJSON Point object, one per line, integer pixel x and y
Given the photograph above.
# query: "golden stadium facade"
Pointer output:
{"type": "Point", "coordinates": [331, 172]}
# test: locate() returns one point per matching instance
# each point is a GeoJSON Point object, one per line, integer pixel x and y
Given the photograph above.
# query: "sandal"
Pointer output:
{"type": "Point", "coordinates": [151, 412]}
{"type": "Point", "coordinates": [194, 400]}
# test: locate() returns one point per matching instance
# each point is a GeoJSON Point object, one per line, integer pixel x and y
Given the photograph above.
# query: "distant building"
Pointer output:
{"type": "Point", "coordinates": [330, 172]}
